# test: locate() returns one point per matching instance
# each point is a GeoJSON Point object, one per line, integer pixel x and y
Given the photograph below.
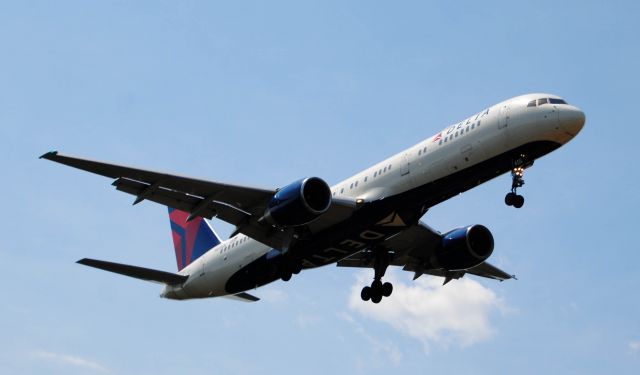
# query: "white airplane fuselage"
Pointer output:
{"type": "Point", "coordinates": [481, 138]}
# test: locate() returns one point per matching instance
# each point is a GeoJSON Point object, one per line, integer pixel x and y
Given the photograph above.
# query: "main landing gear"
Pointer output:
{"type": "Point", "coordinates": [289, 268]}
{"type": "Point", "coordinates": [377, 290]}
{"type": "Point", "coordinates": [512, 198]}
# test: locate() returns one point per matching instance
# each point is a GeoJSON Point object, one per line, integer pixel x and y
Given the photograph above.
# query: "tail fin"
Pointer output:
{"type": "Point", "coordinates": [190, 239]}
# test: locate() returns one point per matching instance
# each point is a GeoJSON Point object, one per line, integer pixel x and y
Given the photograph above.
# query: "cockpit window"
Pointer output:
{"type": "Point", "coordinates": [545, 101]}
{"type": "Point", "coordinates": [556, 101]}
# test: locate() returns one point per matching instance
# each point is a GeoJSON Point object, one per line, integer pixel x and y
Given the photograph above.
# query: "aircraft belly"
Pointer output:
{"type": "Point", "coordinates": [380, 220]}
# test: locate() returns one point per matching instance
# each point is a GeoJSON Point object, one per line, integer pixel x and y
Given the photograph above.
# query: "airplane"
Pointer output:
{"type": "Point", "coordinates": [369, 220]}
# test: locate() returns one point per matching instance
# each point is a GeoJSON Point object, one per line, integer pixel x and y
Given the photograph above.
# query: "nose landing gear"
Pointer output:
{"type": "Point", "coordinates": [377, 290]}
{"type": "Point", "coordinates": [512, 198]}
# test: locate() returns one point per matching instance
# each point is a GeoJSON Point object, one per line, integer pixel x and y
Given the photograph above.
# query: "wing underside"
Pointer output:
{"type": "Point", "coordinates": [412, 248]}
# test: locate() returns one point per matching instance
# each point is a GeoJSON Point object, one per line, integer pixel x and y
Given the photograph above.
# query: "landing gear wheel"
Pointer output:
{"type": "Point", "coordinates": [376, 285]}
{"type": "Point", "coordinates": [366, 293]}
{"type": "Point", "coordinates": [377, 290]}
{"type": "Point", "coordinates": [296, 268]}
{"type": "Point", "coordinates": [519, 201]}
{"type": "Point", "coordinates": [376, 296]}
{"type": "Point", "coordinates": [387, 289]}
{"type": "Point", "coordinates": [509, 199]}
{"type": "Point", "coordinates": [286, 276]}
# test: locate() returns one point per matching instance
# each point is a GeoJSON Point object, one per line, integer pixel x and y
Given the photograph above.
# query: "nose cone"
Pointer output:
{"type": "Point", "coordinates": [571, 120]}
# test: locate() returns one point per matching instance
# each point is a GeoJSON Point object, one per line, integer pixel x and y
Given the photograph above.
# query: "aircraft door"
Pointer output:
{"type": "Point", "coordinates": [405, 165]}
{"type": "Point", "coordinates": [505, 113]}
{"type": "Point", "coordinates": [204, 266]}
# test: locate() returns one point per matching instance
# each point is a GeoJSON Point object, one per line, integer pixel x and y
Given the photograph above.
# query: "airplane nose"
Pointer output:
{"type": "Point", "coordinates": [571, 119]}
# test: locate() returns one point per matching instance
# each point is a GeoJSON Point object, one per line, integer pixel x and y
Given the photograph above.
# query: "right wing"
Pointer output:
{"type": "Point", "coordinates": [412, 248]}
{"type": "Point", "coordinates": [241, 206]}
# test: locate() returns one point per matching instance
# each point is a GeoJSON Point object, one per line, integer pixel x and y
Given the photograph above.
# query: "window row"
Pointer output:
{"type": "Point", "coordinates": [460, 132]}
{"type": "Point", "coordinates": [377, 173]}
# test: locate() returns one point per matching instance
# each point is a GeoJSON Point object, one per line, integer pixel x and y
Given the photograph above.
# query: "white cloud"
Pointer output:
{"type": "Point", "coordinates": [634, 346]}
{"type": "Point", "coordinates": [70, 360]}
{"type": "Point", "coordinates": [457, 313]}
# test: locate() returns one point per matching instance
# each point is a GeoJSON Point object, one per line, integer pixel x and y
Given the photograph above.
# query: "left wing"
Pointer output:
{"type": "Point", "coordinates": [241, 206]}
{"type": "Point", "coordinates": [412, 248]}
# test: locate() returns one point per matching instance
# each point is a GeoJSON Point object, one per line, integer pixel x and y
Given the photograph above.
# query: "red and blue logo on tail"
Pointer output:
{"type": "Point", "coordinates": [190, 239]}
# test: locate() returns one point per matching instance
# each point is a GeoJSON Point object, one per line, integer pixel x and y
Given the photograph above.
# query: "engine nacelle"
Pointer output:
{"type": "Point", "coordinates": [299, 203]}
{"type": "Point", "coordinates": [464, 248]}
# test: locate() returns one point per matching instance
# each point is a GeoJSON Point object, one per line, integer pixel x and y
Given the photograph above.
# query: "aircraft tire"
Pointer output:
{"type": "Point", "coordinates": [366, 293]}
{"type": "Point", "coordinates": [387, 289]}
{"type": "Point", "coordinates": [518, 201]}
{"type": "Point", "coordinates": [376, 296]}
{"type": "Point", "coordinates": [509, 199]}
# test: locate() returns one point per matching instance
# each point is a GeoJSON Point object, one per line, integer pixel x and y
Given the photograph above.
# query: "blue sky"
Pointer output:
{"type": "Point", "coordinates": [263, 93]}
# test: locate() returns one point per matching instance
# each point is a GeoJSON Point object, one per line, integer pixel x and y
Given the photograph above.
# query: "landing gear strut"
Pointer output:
{"type": "Point", "coordinates": [377, 290]}
{"type": "Point", "coordinates": [512, 198]}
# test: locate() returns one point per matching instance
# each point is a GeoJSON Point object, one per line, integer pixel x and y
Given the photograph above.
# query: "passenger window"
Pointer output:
{"type": "Point", "coordinates": [479, 123]}
{"type": "Point", "coordinates": [385, 169]}
{"type": "Point", "coordinates": [375, 174]}
{"type": "Point", "coordinates": [456, 134]}
{"type": "Point", "coordinates": [542, 101]}
{"type": "Point", "coordinates": [365, 178]}
{"type": "Point", "coordinates": [389, 166]}
{"type": "Point", "coordinates": [420, 152]}
{"type": "Point", "coordinates": [351, 187]}
{"type": "Point", "coordinates": [440, 142]}
{"type": "Point", "coordinates": [341, 190]}
{"type": "Point", "coordinates": [532, 103]}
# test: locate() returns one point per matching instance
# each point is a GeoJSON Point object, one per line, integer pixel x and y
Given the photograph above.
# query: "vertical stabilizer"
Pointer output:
{"type": "Point", "coordinates": [190, 239]}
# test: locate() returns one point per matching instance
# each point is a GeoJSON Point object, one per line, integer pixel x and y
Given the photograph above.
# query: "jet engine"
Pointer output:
{"type": "Point", "coordinates": [464, 248]}
{"type": "Point", "coordinates": [298, 203]}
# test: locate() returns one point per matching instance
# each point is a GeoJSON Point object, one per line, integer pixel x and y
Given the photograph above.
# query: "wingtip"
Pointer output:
{"type": "Point", "coordinates": [82, 261]}
{"type": "Point", "coordinates": [48, 155]}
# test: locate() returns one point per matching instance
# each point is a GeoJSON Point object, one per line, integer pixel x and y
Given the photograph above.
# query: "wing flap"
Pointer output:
{"type": "Point", "coordinates": [183, 202]}
{"type": "Point", "coordinates": [490, 271]}
{"type": "Point", "coordinates": [142, 273]}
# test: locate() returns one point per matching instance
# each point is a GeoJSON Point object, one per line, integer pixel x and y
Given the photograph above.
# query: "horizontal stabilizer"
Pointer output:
{"type": "Point", "coordinates": [246, 297]}
{"type": "Point", "coordinates": [134, 271]}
